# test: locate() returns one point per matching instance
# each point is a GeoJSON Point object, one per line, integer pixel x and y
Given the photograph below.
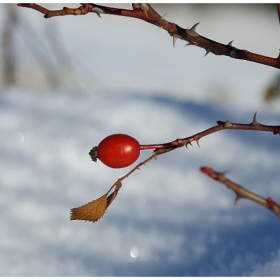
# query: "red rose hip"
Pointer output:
{"type": "Point", "coordinates": [116, 151]}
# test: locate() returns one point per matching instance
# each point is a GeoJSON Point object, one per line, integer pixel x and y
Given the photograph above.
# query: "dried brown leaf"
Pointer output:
{"type": "Point", "coordinates": [92, 211]}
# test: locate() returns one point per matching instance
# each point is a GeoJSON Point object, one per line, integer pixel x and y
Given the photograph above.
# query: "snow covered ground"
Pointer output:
{"type": "Point", "coordinates": [168, 219]}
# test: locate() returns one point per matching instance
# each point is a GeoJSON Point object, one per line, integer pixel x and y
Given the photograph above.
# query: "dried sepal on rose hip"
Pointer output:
{"type": "Point", "coordinates": [116, 151]}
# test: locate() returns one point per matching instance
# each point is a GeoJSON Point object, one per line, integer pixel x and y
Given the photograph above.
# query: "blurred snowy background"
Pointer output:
{"type": "Point", "coordinates": [75, 80]}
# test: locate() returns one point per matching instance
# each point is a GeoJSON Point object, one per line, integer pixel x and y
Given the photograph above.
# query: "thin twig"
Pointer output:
{"type": "Point", "coordinates": [94, 210]}
{"type": "Point", "coordinates": [240, 191]}
{"type": "Point", "coordinates": [254, 125]}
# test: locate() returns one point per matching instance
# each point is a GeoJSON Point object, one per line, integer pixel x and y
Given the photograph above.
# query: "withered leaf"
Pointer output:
{"type": "Point", "coordinates": [92, 211]}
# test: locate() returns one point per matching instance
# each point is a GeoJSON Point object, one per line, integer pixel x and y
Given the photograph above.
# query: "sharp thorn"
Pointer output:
{"type": "Point", "coordinates": [207, 51]}
{"type": "Point", "coordinates": [98, 11]}
{"type": "Point", "coordinates": [194, 26]}
{"type": "Point", "coordinates": [163, 17]}
{"type": "Point", "coordinates": [197, 142]}
{"type": "Point", "coordinates": [254, 121]}
{"type": "Point", "coordinates": [189, 44]}
{"type": "Point", "coordinates": [192, 31]}
{"type": "Point", "coordinates": [236, 200]}
{"type": "Point", "coordinates": [175, 38]}
{"type": "Point", "coordinates": [189, 143]}
{"type": "Point", "coordinates": [230, 43]}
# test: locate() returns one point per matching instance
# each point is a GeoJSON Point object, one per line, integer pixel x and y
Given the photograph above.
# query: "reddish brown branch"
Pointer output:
{"type": "Point", "coordinates": [147, 13]}
{"type": "Point", "coordinates": [254, 125]}
{"type": "Point", "coordinates": [240, 191]}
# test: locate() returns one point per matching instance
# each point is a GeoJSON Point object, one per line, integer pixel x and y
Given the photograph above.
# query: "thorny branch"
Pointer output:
{"type": "Point", "coordinates": [240, 191]}
{"type": "Point", "coordinates": [147, 13]}
{"type": "Point", "coordinates": [95, 209]}
{"type": "Point", "coordinates": [254, 125]}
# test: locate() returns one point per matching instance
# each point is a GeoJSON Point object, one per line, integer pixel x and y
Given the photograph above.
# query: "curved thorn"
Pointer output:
{"type": "Point", "coordinates": [189, 143]}
{"type": "Point", "coordinates": [254, 121]}
{"type": "Point", "coordinates": [207, 51]}
{"type": "Point", "coordinates": [189, 44]}
{"type": "Point", "coordinates": [98, 11]}
{"type": "Point", "coordinates": [194, 26]}
{"type": "Point", "coordinates": [192, 31]}
{"type": "Point", "coordinates": [197, 142]}
{"type": "Point", "coordinates": [175, 38]}
{"type": "Point", "coordinates": [230, 43]}
{"type": "Point", "coordinates": [236, 200]}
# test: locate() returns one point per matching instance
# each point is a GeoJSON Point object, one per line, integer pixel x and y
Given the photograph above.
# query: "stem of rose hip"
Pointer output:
{"type": "Point", "coordinates": [152, 146]}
